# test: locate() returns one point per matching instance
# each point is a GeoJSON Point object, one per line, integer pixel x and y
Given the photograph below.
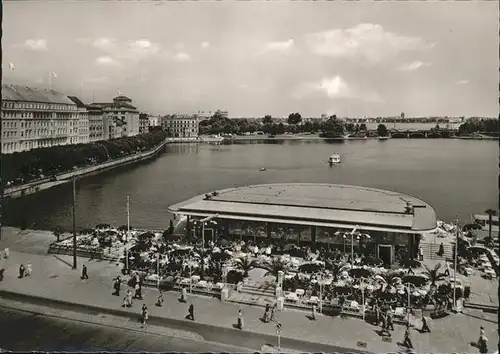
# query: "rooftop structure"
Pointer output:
{"type": "Point", "coordinates": [32, 94]}
{"type": "Point", "coordinates": [322, 205]}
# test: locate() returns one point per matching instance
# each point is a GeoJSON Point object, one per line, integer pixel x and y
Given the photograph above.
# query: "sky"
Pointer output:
{"type": "Point", "coordinates": [352, 59]}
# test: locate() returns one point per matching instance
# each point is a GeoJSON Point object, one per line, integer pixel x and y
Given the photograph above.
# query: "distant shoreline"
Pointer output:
{"type": "Point", "coordinates": [317, 137]}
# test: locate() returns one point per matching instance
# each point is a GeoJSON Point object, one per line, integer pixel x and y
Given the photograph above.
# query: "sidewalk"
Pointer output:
{"type": "Point", "coordinates": [53, 278]}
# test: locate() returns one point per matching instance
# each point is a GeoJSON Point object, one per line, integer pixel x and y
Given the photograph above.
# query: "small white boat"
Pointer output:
{"type": "Point", "coordinates": [383, 138]}
{"type": "Point", "coordinates": [334, 159]}
{"type": "Point", "coordinates": [212, 139]}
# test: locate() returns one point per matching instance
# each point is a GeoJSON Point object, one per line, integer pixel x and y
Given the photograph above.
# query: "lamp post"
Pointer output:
{"type": "Point", "coordinates": [158, 269]}
{"type": "Point", "coordinates": [190, 276]}
{"type": "Point", "coordinates": [455, 269]}
{"type": "Point", "coordinates": [128, 235]}
{"type": "Point", "coordinates": [408, 290]}
{"type": "Point", "coordinates": [203, 221]}
{"type": "Point", "coordinates": [362, 287]}
{"type": "Point", "coordinates": [320, 282]}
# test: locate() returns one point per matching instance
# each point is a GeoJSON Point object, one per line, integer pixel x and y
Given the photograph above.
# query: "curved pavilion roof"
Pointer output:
{"type": "Point", "coordinates": [327, 205]}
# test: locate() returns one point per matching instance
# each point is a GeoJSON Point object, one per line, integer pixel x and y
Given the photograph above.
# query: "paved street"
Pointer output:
{"type": "Point", "coordinates": [53, 278]}
{"type": "Point", "coordinates": [22, 331]}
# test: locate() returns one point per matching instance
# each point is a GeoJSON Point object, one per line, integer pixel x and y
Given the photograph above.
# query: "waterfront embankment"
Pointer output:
{"type": "Point", "coordinates": [46, 183]}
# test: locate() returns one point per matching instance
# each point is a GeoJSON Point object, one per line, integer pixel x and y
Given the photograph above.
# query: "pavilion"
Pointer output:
{"type": "Point", "coordinates": [315, 213]}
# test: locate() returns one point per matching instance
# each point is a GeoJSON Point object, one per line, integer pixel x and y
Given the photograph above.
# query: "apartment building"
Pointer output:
{"type": "Point", "coordinates": [82, 121]}
{"type": "Point", "coordinates": [180, 126]}
{"type": "Point", "coordinates": [33, 118]}
{"type": "Point", "coordinates": [96, 123]}
{"type": "Point", "coordinates": [143, 123]}
{"type": "Point", "coordinates": [120, 118]}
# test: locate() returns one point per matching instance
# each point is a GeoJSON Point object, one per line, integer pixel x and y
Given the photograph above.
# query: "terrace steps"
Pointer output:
{"type": "Point", "coordinates": [259, 289]}
{"type": "Point", "coordinates": [430, 251]}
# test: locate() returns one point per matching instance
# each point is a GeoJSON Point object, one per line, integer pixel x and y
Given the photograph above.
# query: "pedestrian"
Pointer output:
{"type": "Point", "coordinates": [7, 253]}
{"type": "Point", "coordinates": [420, 253]}
{"type": "Point", "coordinates": [314, 312]}
{"type": "Point", "coordinates": [407, 341]}
{"type": "Point", "coordinates": [482, 342]}
{"type": "Point", "coordinates": [28, 269]}
{"type": "Point", "coordinates": [266, 313]}
{"type": "Point", "coordinates": [129, 298]}
{"type": "Point", "coordinates": [441, 250]}
{"type": "Point", "coordinates": [117, 285]}
{"type": "Point", "coordinates": [183, 295]}
{"type": "Point", "coordinates": [21, 271]}
{"type": "Point", "coordinates": [447, 270]}
{"type": "Point", "coordinates": [425, 325]}
{"type": "Point", "coordinates": [159, 301]}
{"type": "Point", "coordinates": [138, 292]}
{"type": "Point", "coordinates": [390, 324]}
{"type": "Point", "coordinates": [383, 322]}
{"type": "Point", "coordinates": [377, 315]}
{"type": "Point", "coordinates": [240, 319]}
{"type": "Point", "coordinates": [273, 312]}
{"type": "Point", "coordinates": [85, 274]}
{"type": "Point", "coordinates": [144, 314]}
{"type": "Point", "coordinates": [191, 312]}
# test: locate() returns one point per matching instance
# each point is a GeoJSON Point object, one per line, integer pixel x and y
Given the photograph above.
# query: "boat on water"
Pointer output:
{"type": "Point", "coordinates": [356, 136]}
{"type": "Point", "coordinates": [383, 138]}
{"type": "Point", "coordinates": [211, 139]}
{"type": "Point", "coordinates": [334, 159]}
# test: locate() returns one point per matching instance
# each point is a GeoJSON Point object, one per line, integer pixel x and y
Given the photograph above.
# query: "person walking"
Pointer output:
{"type": "Point", "coordinates": [441, 250]}
{"type": "Point", "coordinates": [127, 301]}
{"type": "Point", "coordinates": [266, 313]}
{"type": "Point", "coordinates": [240, 319]}
{"type": "Point", "coordinates": [144, 314]}
{"type": "Point", "coordinates": [6, 253]}
{"type": "Point", "coordinates": [273, 312]}
{"type": "Point", "coordinates": [138, 292]}
{"type": "Point", "coordinates": [117, 285]}
{"type": "Point", "coordinates": [314, 312]}
{"type": "Point", "coordinates": [159, 301]}
{"type": "Point", "coordinates": [28, 269]}
{"type": "Point", "coordinates": [407, 340]}
{"type": "Point", "coordinates": [390, 324]}
{"type": "Point", "coordinates": [85, 274]}
{"type": "Point", "coordinates": [425, 325]}
{"type": "Point", "coordinates": [21, 271]}
{"type": "Point", "coordinates": [482, 342]}
{"type": "Point", "coordinates": [191, 312]}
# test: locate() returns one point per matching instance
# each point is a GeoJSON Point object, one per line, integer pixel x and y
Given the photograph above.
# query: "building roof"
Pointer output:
{"type": "Point", "coordinates": [329, 205]}
{"type": "Point", "coordinates": [77, 101]}
{"type": "Point", "coordinates": [122, 98]}
{"type": "Point", "coordinates": [32, 94]}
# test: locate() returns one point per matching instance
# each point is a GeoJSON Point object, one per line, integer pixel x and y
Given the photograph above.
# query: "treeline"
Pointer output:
{"type": "Point", "coordinates": [27, 166]}
{"type": "Point", "coordinates": [476, 125]}
{"type": "Point", "coordinates": [221, 125]}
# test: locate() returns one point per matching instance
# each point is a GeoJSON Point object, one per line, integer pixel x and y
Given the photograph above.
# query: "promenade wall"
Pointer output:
{"type": "Point", "coordinates": [46, 183]}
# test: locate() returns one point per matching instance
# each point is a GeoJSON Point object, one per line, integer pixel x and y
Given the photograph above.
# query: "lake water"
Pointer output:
{"type": "Point", "coordinates": [457, 177]}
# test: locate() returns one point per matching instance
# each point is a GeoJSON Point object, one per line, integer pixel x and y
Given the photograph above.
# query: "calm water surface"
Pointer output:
{"type": "Point", "coordinates": [457, 177]}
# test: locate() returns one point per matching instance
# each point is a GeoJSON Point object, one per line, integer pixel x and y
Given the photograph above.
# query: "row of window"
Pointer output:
{"type": "Point", "coordinates": [32, 105]}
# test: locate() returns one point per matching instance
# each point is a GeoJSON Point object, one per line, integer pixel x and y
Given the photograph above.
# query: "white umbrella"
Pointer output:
{"type": "Point", "coordinates": [401, 292]}
{"type": "Point", "coordinates": [416, 293]}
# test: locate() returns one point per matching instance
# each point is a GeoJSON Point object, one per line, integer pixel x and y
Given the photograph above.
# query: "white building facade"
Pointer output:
{"type": "Point", "coordinates": [120, 118]}
{"type": "Point", "coordinates": [34, 118]}
{"type": "Point", "coordinates": [181, 126]}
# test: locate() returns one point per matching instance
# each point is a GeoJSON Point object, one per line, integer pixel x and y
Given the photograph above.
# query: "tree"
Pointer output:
{"type": "Point", "coordinates": [274, 267]}
{"type": "Point", "coordinates": [382, 130]}
{"type": "Point", "coordinates": [294, 118]}
{"type": "Point", "coordinates": [332, 128]}
{"type": "Point", "coordinates": [246, 264]}
{"type": "Point", "coordinates": [362, 127]}
{"type": "Point", "coordinates": [57, 232]}
{"type": "Point", "coordinates": [267, 119]}
{"type": "Point", "coordinates": [490, 213]}
{"type": "Point", "coordinates": [434, 275]}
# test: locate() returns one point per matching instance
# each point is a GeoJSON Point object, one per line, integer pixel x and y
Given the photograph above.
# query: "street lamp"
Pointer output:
{"type": "Point", "coordinates": [320, 282]}
{"type": "Point", "coordinates": [362, 287]}
{"type": "Point", "coordinates": [408, 290]}
{"type": "Point", "coordinates": [203, 221]}
{"type": "Point", "coordinates": [455, 269]}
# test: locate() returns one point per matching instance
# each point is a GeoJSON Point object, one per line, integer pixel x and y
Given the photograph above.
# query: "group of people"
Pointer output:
{"type": "Point", "coordinates": [25, 271]}
{"type": "Point", "coordinates": [270, 313]}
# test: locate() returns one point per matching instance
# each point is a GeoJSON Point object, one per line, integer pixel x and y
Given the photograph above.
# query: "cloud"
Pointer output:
{"type": "Point", "coordinates": [142, 48]}
{"type": "Point", "coordinates": [103, 43]}
{"type": "Point", "coordinates": [462, 82]}
{"type": "Point", "coordinates": [336, 88]}
{"type": "Point", "coordinates": [182, 57]}
{"type": "Point", "coordinates": [35, 44]}
{"type": "Point", "coordinates": [280, 46]}
{"type": "Point", "coordinates": [413, 66]}
{"type": "Point", "coordinates": [205, 45]}
{"type": "Point", "coordinates": [366, 40]}
{"type": "Point", "coordinates": [106, 60]}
